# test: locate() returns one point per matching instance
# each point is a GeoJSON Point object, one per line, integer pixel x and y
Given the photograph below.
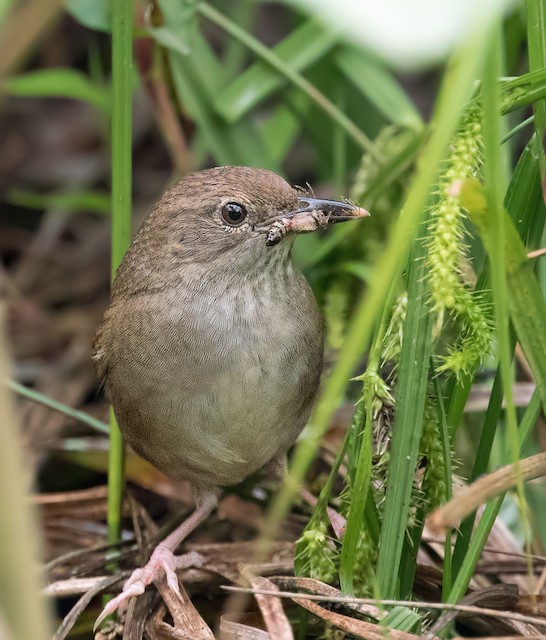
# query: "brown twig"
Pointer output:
{"type": "Point", "coordinates": [363, 629]}
{"type": "Point", "coordinates": [152, 68]}
{"type": "Point", "coordinates": [317, 587]}
{"type": "Point", "coordinates": [509, 615]}
{"type": "Point", "coordinates": [491, 485]}
{"type": "Point", "coordinates": [499, 595]}
{"type": "Point", "coordinates": [271, 608]}
{"type": "Point", "coordinates": [186, 620]}
{"type": "Point", "coordinates": [80, 606]}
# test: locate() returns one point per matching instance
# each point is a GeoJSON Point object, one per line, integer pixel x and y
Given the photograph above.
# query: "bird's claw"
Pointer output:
{"type": "Point", "coordinates": [118, 602]}
{"type": "Point", "coordinates": [161, 561]}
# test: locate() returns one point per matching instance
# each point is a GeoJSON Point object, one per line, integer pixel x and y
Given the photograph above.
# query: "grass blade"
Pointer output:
{"type": "Point", "coordinates": [281, 130]}
{"type": "Point", "coordinates": [379, 86]}
{"type": "Point", "coordinates": [480, 535]}
{"type": "Point", "coordinates": [495, 190]}
{"type": "Point", "coordinates": [362, 474]}
{"type": "Point", "coordinates": [454, 93]}
{"type": "Point", "coordinates": [304, 46]}
{"type": "Point", "coordinates": [479, 539]}
{"type": "Point", "coordinates": [54, 405]}
{"type": "Point", "coordinates": [23, 608]}
{"type": "Point", "coordinates": [524, 203]}
{"type": "Point", "coordinates": [269, 56]}
{"type": "Point", "coordinates": [411, 393]}
{"type": "Point", "coordinates": [122, 74]}
{"type": "Point", "coordinates": [536, 39]}
{"type": "Point", "coordinates": [525, 301]}
{"type": "Point", "coordinates": [89, 201]}
{"type": "Point", "coordinates": [229, 144]}
{"type": "Point", "coordinates": [59, 83]}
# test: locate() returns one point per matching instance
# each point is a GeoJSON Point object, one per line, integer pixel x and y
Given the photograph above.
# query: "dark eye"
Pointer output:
{"type": "Point", "coordinates": [233, 213]}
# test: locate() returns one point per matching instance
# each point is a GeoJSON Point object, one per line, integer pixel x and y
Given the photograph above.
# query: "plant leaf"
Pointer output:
{"type": "Point", "coordinates": [379, 86]}
{"type": "Point", "coordinates": [94, 201]}
{"type": "Point", "coordinates": [93, 14]}
{"type": "Point", "coordinates": [303, 47]}
{"type": "Point", "coordinates": [526, 303]}
{"type": "Point", "coordinates": [59, 83]}
{"type": "Point", "coordinates": [406, 434]}
{"type": "Point", "coordinates": [176, 32]}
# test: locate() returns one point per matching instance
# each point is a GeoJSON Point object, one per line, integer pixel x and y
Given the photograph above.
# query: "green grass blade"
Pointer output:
{"type": "Point", "coordinates": [94, 14]}
{"type": "Point", "coordinates": [411, 393]}
{"type": "Point", "coordinates": [229, 144]}
{"type": "Point", "coordinates": [527, 308]}
{"type": "Point", "coordinates": [519, 127]}
{"type": "Point", "coordinates": [303, 47]}
{"type": "Point", "coordinates": [88, 201]}
{"type": "Point", "coordinates": [523, 90]}
{"type": "Point", "coordinates": [280, 131]}
{"type": "Point", "coordinates": [59, 83]}
{"type": "Point", "coordinates": [495, 190]}
{"type": "Point", "coordinates": [363, 472]}
{"type": "Point", "coordinates": [339, 145]}
{"type": "Point", "coordinates": [379, 86]}
{"type": "Point", "coordinates": [235, 54]}
{"type": "Point", "coordinates": [192, 100]}
{"type": "Point", "coordinates": [479, 539]}
{"type": "Point", "coordinates": [525, 205]}
{"type": "Point", "coordinates": [480, 535]}
{"type": "Point", "coordinates": [212, 72]}
{"type": "Point", "coordinates": [24, 610]}
{"type": "Point", "coordinates": [50, 403]}
{"type": "Point", "coordinates": [122, 74]}
{"type": "Point", "coordinates": [529, 417]}
{"type": "Point", "coordinates": [457, 401]}
{"type": "Point", "coordinates": [402, 619]}
{"type": "Point", "coordinates": [524, 201]}
{"type": "Point", "coordinates": [455, 91]}
{"type": "Point", "coordinates": [525, 301]}
{"type": "Point", "coordinates": [481, 463]}
{"type": "Point", "coordinates": [269, 56]}
{"type": "Point", "coordinates": [175, 30]}
{"type": "Point", "coordinates": [448, 478]}
{"type": "Point", "coordinates": [536, 42]}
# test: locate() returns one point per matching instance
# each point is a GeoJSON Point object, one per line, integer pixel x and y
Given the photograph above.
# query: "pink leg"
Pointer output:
{"type": "Point", "coordinates": [164, 560]}
{"type": "Point", "coordinates": [337, 521]}
{"type": "Point", "coordinates": [277, 467]}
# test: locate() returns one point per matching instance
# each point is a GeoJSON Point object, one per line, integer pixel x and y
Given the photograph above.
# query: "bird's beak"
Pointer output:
{"type": "Point", "coordinates": [313, 214]}
{"type": "Point", "coordinates": [333, 210]}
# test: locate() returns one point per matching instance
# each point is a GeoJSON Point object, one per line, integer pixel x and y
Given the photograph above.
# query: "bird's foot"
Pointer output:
{"type": "Point", "coordinates": [161, 561]}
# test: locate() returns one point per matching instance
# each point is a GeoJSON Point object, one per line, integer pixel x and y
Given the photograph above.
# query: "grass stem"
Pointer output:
{"type": "Point", "coordinates": [122, 71]}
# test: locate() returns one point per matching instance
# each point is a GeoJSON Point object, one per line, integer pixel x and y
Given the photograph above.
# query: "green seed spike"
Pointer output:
{"type": "Point", "coordinates": [450, 295]}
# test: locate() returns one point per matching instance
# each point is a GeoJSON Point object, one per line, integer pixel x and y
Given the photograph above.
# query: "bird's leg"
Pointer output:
{"type": "Point", "coordinates": [337, 521]}
{"type": "Point", "coordinates": [163, 559]}
{"type": "Point", "coordinates": [277, 468]}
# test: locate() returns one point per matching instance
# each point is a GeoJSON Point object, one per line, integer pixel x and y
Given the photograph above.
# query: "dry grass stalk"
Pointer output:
{"type": "Point", "coordinates": [484, 489]}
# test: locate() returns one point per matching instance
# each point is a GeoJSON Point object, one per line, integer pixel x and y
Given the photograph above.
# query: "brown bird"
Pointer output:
{"type": "Point", "coordinates": [211, 349]}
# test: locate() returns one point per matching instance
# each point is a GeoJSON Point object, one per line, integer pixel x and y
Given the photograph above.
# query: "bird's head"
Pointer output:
{"type": "Point", "coordinates": [252, 211]}
{"type": "Point", "coordinates": [228, 224]}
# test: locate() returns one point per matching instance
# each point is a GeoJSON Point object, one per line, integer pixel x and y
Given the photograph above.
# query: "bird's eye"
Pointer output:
{"type": "Point", "coordinates": [233, 213]}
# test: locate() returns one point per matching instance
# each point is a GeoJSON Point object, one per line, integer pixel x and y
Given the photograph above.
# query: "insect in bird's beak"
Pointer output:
{"type": "Point", "coordinates": [312, 214]}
